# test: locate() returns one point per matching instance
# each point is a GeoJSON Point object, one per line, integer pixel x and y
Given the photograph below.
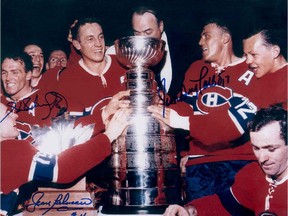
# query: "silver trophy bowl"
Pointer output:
{"type": "Point", "coordinates": [143, 159]}
{"type": "Point", "coordinates": [135, 51]}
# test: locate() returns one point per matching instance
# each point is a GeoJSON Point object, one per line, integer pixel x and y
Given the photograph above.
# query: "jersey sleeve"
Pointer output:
{"type": "Point", "coordinates": [18, 168]}
{"type": "Point", "coordinates": [16, 157]}
{"type": "Point", "coordinates": [244, 186]}
{"type": "Point", "coordinates": [217, 107]}
{"type": "Point", "coordinates": [63, 168]}
{"type": "Point", "coordinates": [88, 155]}
{"type": "Point", "coordinates": [211, 126]}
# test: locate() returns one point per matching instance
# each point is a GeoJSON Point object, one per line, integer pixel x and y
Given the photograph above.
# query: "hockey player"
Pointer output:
{"type": "Point", "coordinates": [265, 50]}
{"type": "Point", "coordinates": [37, 56]}
{"type": "Point", "coordinates": [215, 94]}
{"type": "Point", "coordinates": [264, 57]}
{"type": "Point", "coordinates": [96, 77]}
{"type": "Point", "coordinates": [260, 187]}
{"type": "Point", "coordinates": [21, 162]}
{"type": "Point", "coordinates": [33, 106]}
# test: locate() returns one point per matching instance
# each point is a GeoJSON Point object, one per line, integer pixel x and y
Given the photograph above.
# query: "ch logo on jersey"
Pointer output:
{"type": "Point", "coordinates": [208, 98]}
{"type": "Point", "coordinates": [238, 107]}
{"type": "Point", "coordinates": [214, 98]}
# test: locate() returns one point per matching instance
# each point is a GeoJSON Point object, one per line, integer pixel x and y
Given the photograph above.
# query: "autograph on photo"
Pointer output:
{"type": "Point", "coordinates": [52, 101]}
{"type": "Point", "coordinates": [200, 84]}
{"type": "Point", "coordinates": [61, 203]}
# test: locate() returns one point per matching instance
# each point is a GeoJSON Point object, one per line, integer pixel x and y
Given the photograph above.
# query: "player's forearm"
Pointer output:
{"type": "Point", "coordinates": [75, 161]}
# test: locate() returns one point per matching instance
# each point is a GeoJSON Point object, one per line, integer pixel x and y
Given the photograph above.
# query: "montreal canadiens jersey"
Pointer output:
{"type": "Point", "coordinates": [37, 108]}
{"type": "Point", "coordinates": [259, 192]}
{"type": "Point", "coordinates": [220, 104]}
{"type": "Point", "coordinates": [272, 88]}
{"type": "Point", "coordinates": [21, 163]}
{"type": "Point", "coordinates": [84, 90]}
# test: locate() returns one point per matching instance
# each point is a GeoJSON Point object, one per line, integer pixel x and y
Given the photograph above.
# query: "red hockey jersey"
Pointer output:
{"type": "Point", "coordinates": [18, 168]}
{"type": "Point", "coordinates": [83, 90]}
{"type": "Point", "coordinates": [252, 187]}
{"type": "Point", "coordinates": [221, 104]}
{"type": "Point", "coordinates": [36, 108]}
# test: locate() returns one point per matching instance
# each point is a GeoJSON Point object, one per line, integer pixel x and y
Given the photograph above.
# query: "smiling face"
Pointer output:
{"type": "Point", "coordinates": [212, 42]}
{"type": "Point", "coordinates": [8, 128]}
{"type": "Point", "coordinates": [36, 54]}
{"type": "Point", "coordinates": [259, 57]}
{"type": "Point", "coordinates": [16, 81]}
{"type": "Point", "coordinates": [91, 43]}
{"type": "Point", "coordinates": [147, 25]}
{"type": "Point", "coordinates": [270, 150]}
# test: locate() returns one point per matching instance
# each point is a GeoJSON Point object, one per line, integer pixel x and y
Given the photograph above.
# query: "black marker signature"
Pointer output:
{"type": "Point", "coordinates": [62, 201]}
{"type": "Point", "coordinates": [52, 101]}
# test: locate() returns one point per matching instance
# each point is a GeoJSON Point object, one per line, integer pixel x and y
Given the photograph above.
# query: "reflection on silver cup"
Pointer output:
{"type": "Point", "coordinates": [144, 164]}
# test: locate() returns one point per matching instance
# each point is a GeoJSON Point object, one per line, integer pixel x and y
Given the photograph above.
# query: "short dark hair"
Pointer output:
{"type": "Point", "coordinates": [20, 56]}
{"type": "Point", "coordinates": [271, 37]}
{"type": "Point", "coordinates": [220, 24]}
{"type": "Point", "coordinates": [270, 114]}
{"type": "Point", "coordinates": [140, 10]}
{"type": "Point", "coordinates": [82, 22]}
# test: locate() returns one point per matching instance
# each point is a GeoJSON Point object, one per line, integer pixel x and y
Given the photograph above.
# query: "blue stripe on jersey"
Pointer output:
{"type": "Point", "coordinates": [7, 202]}
{"type": "Point", "coordinates": [42, 167]}
{"type": "Point", "coordinates": [241, 111]}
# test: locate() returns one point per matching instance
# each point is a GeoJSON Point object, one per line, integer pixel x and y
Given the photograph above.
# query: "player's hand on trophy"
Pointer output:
{"type": "Point", "coordinates": [118, 123]}
{"type": "Point", "coordinates": [177, 210]}
{"type": "Point", "coordinates": [169, 116]}
{"type": "Point", "coordinates": [118, 101]}
{"type": "Point", "coordinates": [160, 112]}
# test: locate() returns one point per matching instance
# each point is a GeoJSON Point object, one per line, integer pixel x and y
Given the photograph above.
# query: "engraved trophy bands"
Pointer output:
{"type": "Point", "coordinates": [143, 161]}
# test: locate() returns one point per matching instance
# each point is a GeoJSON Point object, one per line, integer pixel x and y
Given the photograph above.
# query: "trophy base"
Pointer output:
{"type": "Point", "coordinates": [132, 210]}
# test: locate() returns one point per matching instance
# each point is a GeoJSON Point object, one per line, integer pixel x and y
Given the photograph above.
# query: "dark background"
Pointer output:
{"type": "Point", "coordinates": [47, 21]}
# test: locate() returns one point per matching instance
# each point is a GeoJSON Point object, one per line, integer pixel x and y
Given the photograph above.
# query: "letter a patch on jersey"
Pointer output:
{"type": "Point", "coordinates": [246, 77]}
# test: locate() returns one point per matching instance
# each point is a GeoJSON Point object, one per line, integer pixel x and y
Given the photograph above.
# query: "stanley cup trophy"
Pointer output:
{"type": "Point", "coordinates": [143, 161]}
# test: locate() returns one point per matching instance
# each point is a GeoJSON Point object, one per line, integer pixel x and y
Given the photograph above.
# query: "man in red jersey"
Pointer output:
{"type": "Point", "coordinates": [37, 56]}
{"type": "Point", "coordinates": [94, 84]}
{"type": "Point", "coordinates": [222, 104]}
{"type": "Point", "coordinates": [266, 191]}
{"type": "Point", "coordinates": [260, 187]}
{"type": "Point", "coordinates": [22, 163]}
{"type": "Point", "coordinates": [214, 107]}
{"type": "Point", "coordinates": [265, 51]}
{"type": "Point", "coordinates": [96, 77]}
{"type": "Point", "coordinates": [32, 105]}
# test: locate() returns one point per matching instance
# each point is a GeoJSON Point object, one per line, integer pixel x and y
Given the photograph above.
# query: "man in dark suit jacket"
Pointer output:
{"type": "Point", "coordinates": [170, 71]}
{"type": "Point", "coordinates": [146, 21]}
